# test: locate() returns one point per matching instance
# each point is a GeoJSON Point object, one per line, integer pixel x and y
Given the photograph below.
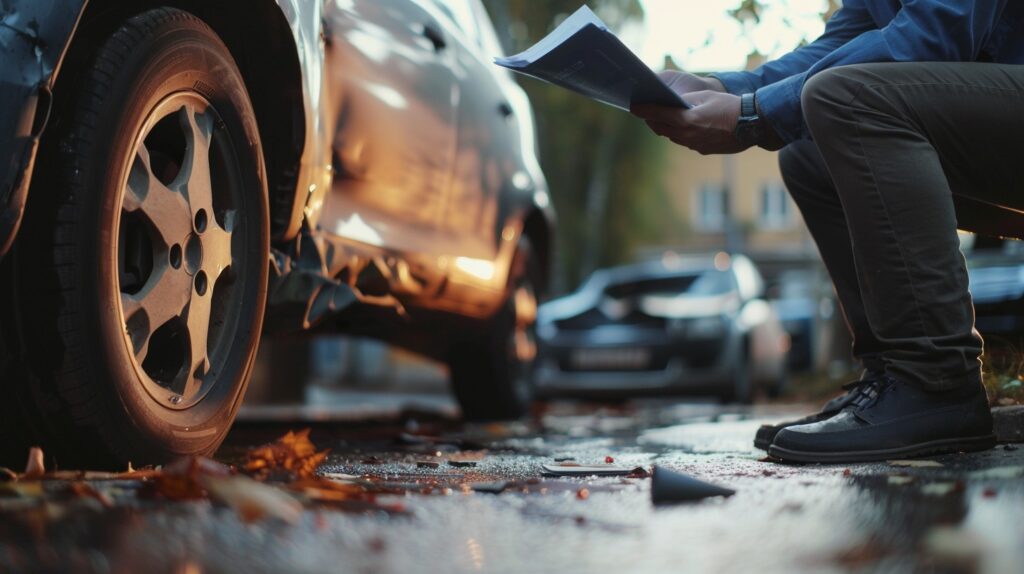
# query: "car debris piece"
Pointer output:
{"type": "Point", "coordinates": [639, 472]}
{"type": "Point", "coordinates": [462, 463]}
{"type": "Point", "coordinates": [495, 487]}
{"type": "Point", "coordinates": [668, 486]}
{"type": "Point", "coordinates": [340, 477]}
{"type": "Point", "coordinates": [942, 488]}
{"type": "Point", "coordinates": [427, 464]}
{"type": "Point", "coordinates": [916, 463]}
{"type": "Point", "coordinates": [598, 470]}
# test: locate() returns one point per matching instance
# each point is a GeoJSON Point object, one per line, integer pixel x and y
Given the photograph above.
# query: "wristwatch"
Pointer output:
{"type": "Point", "coordinates": [750, 128]}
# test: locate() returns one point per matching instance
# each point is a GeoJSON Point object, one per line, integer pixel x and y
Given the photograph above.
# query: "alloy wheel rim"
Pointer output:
{"type": "Point", "coordinates": [179, 250]}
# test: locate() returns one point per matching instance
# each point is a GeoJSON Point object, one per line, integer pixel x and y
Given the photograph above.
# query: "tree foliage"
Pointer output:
{"type": "Point", "coordinates": [604, 168]}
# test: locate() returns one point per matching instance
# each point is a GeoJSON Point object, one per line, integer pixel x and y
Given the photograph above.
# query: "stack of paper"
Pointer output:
{"type": "Point", "coordinates": [583, 56]}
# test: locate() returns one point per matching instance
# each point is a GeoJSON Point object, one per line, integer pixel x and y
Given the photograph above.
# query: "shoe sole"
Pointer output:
{"type": "Point", "coordinates": [945, 446]}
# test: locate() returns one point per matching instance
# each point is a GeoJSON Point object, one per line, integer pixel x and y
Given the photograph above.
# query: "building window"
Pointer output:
{"type": "Point", "coordinates": [709, 214]}
{"type": "Point", "coordinates": [776, 210]}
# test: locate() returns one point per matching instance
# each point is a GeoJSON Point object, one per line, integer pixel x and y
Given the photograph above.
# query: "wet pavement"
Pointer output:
{"type": "Point", "coordinates": [454, 498]}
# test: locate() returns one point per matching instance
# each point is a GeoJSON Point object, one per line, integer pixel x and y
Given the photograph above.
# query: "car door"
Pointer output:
{"type": "Point", "coordinates": [392, 116]}
{"type": "Point", "coordinates": [489, 171]}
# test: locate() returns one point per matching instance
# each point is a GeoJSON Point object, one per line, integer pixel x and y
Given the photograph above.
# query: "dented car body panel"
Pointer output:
{"type": "Point", "coordinates": [412, 174]}
{"type": "Point", "coordinates": [33, 37]}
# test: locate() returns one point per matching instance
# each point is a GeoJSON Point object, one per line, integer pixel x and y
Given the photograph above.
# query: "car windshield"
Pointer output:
{"type": "Point", "coordinates": [710, 282]}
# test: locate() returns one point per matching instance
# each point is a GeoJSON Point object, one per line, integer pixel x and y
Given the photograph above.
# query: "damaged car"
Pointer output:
{"type": "Point", "coordinates": [180, 178]}
{"type": "Point", "coordinates": [697, 325]}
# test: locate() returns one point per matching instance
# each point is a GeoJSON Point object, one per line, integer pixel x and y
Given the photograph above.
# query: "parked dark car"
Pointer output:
{"type": "Point", "coordinates": [996, 270]}
{"type": "Point", "coordinates": [176, 171]}
{"type": "Point", "coordinates": [803, 300]}
{"type": "Point", "coordinates": [695, 325]}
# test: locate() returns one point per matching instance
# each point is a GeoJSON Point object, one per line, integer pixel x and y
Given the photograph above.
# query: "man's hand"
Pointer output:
{"type": "Point", "coordinates": [707, 127]}
{"type": "Point", "coordinates": [685, 82]}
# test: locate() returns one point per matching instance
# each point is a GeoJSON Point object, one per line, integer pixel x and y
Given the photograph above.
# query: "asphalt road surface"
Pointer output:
{"type": "Point", "coordinates": [454, 498]}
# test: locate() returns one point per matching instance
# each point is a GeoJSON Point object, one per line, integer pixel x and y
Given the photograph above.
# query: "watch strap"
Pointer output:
{"type": "Point", "coordinates": [748, 107]}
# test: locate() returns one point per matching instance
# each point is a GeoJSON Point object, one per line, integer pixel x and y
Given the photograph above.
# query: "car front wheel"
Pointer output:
{"type": "Point", "coordinates": [142, 274]}
{"type": "Point", "coordinates": [492, 369]}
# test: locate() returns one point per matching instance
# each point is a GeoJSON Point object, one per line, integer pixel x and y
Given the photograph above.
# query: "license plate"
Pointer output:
{"type": "Point", "coordinates": [629, 359]}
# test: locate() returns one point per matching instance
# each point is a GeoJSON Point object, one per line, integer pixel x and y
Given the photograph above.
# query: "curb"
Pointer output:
{"type": "Point", "coordinates": [1009, 423]}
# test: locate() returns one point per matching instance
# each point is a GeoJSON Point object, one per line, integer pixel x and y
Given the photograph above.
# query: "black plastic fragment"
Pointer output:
{"type": "Point", "coordinates": [668, 486]}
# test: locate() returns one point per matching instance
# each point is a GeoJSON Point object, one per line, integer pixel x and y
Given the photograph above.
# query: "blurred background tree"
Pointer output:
{"type": "Point", "coordinates": [604, 168]}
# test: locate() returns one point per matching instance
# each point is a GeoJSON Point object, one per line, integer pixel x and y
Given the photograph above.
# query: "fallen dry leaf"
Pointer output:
{"type": "Point", "coordinates": [180, 480]}
{"type": "Point", "coordinates": [85, 490]}
{"type": "Point", "coordinates": [293, 454]}
{"type": "Point", "coordinates": [252, 500]}
{"type": "Point", "coordinates": [195, 465]}
{"type": "Point", "coordinates": [34, 468]}
{"type": "Point", "coordinates": [21, 489]}
{"type": "Point", "coordinates": [321, 489]}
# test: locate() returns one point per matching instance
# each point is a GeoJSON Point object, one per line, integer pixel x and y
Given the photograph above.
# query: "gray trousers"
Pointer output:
{"type": "Point", "coordinates": [891, 144]}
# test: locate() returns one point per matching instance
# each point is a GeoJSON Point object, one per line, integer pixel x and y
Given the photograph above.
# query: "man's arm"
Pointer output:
{"type": "Point", "coordinates": [846, 24]}
{"type": "Point", "coordinates": [923, 31]}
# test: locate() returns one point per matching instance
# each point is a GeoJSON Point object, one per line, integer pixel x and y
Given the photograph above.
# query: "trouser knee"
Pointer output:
{"type": "Point", "coordinates": [827, 95]}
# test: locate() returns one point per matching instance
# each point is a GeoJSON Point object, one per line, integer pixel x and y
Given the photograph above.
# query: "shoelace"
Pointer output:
{"type": "Point", "coordinates": [853, 388]}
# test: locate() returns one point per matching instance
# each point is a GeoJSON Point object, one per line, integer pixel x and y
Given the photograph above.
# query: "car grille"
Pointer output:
{"type": "Point", "coordinates": [595, 318]}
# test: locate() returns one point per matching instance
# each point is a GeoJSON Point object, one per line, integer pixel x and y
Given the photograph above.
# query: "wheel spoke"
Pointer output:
{"type": "Point", "coordinates": [166, 210]}
{"type": "Point", "coordinates": [217, 247]}
{"type": "Point", "coordinates": [197, 322]}
{"type": "Point", "coordinates": [194, 177]}
{"type": "Point", "coordinates": [161, 299]}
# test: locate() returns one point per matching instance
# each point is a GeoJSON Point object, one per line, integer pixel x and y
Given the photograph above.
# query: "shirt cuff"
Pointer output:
{"type": "Point", "coordinates": [779, 104]}
{"type": "Point", "coordinates": [737, 83]}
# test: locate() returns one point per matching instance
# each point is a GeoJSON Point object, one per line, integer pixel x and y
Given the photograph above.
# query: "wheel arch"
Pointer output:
{"type": "Point", "coordinates": [260, 39]}
{"type": "Point", "coordinates": [537, 228]}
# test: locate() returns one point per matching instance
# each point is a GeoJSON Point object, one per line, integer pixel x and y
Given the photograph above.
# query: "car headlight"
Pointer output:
{"type": "Point", "coordinates": [546, 330]}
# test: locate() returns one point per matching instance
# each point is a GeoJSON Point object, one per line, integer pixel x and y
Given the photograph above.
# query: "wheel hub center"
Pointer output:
{"type": "Point", "coordinates": [193, 254]}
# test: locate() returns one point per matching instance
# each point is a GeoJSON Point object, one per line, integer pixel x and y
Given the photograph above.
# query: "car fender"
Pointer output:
{"type": "Point", "coordinates": [34, 35]}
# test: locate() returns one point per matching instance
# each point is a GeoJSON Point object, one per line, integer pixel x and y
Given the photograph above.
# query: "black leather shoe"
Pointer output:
{"type": "Point", "coordinates": [766, 434]}
{"type": "Point", "coordinates": [891, 419]}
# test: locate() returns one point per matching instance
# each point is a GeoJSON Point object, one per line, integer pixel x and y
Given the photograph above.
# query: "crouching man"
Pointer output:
{"type": "Point", "coordinates": [895, 108]}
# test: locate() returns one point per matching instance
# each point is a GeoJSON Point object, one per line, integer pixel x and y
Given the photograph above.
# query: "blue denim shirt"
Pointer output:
{"type": "Point", "coordinates": [884, 31]}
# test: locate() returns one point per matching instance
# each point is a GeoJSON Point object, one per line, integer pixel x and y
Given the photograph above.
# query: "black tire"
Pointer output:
{"type": "Point", "coordinates": [142, 273]}
{"type": "Point", "coordinates": [492, 372]}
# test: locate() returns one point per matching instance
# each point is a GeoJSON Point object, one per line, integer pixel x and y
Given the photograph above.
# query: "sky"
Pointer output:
{"type": "Point", "coordinates": [702, 37]}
